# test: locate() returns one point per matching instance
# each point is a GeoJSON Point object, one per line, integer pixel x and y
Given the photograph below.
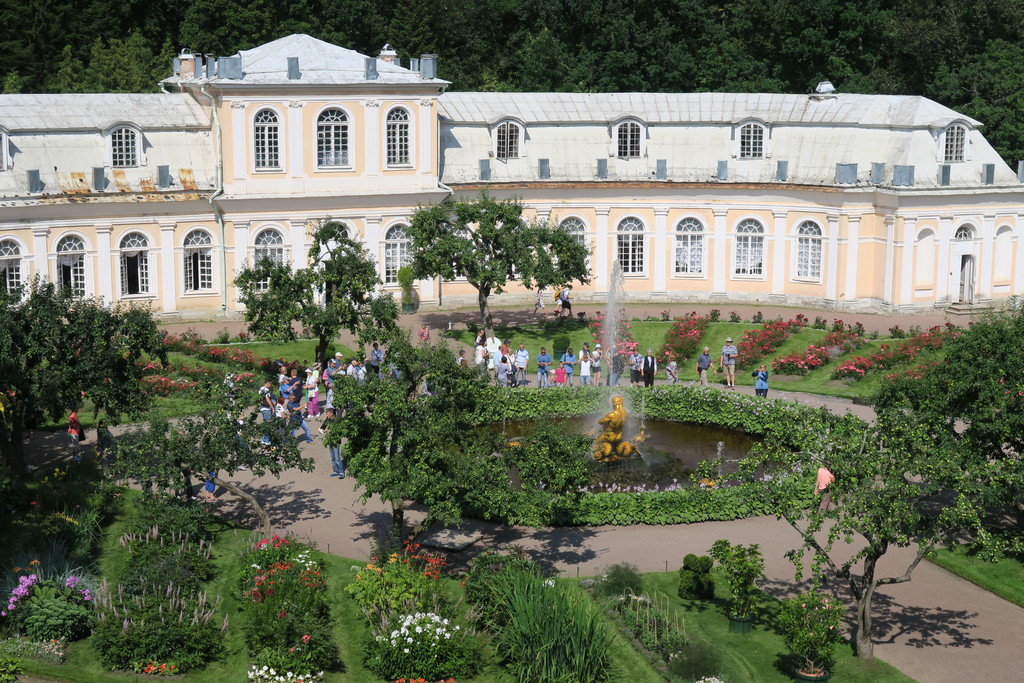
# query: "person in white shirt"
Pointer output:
{"type": "Point", "coordinates": [585, 364]}
{"type": "Point", "coordinates": [522, 358]}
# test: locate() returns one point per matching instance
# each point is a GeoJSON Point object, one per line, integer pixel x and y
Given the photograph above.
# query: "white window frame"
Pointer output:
{"type": "Point", "coordinates": [111, 136]}
{"type": "Point", "coordinates": [624, 149]}
{"type": "Point", "coordinates": [948, 137]}
{"type": "Point", "coordinates": [204, 250]}
{"type": "Point", "coordinates": [12, 255]}
{"type": "Point", "coordinates": [628, 237]}
{"type": "Point", "coordinates": [340, 135]}
{"type": "Point", "coordinates": [394, 129]}
{"type": "Point", "coordinates": [397, 253]}
{"type": "Point", "coordinates": [965, 233]}
{"type": "Point", "coordinates": [274, 250]}
{"type": "Point", "coordinates": [689, 241]}
{"type": "Point", "coordinates": [504, 145]}
{"type": "Point", "coordinates": [144, 275]}
{"type": "Point", "coordinates": [809, 251]}
{"type": "Point", "coordinates": [266, 135]}
{"type": "Point", "coordinates": [748, 244]}
{"type": "Point", "coordinates": [79, 277]}
{"type": "Point", "coordinates": [746, 151]}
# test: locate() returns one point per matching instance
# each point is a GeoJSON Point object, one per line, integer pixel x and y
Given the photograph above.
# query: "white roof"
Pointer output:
{"type": "Point", "coordinates": [710, 107]}
{"type": "Point", "coordinates": [320, 63]}
{"type": "Point", "coordinates": [93, 112]}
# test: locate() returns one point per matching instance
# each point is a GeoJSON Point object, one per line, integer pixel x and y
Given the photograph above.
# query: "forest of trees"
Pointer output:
{"type": "Point", "coordinates": [968, 55]}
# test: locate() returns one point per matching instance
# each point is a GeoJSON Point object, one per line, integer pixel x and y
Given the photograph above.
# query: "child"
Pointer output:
{"type": "Point", "coordinates": [670, 372]}
{"type": "Point", "coordinates": [585, 365]}
{"type": "Point", "coordinates": [560, 374]}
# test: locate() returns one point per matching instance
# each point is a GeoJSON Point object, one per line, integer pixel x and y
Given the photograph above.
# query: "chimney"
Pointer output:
{"type": "Point", "coordinates": [428, 67]}
{"type": "Point", "coordinates": [387, 54]}
{"type": "Point", "coordinates": [187, 60]}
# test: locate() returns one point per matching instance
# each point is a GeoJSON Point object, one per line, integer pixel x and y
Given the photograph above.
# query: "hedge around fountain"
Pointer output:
{"type": "Point", "coordinates": [801, 428]}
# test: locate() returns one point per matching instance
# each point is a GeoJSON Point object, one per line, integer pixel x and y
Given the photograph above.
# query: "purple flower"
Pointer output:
{"type": "Point", "coordinates": [71, 582]}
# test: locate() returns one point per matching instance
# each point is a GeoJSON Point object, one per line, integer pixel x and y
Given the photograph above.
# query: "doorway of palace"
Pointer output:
{"type": "Point", "coordinates": [966, 279]}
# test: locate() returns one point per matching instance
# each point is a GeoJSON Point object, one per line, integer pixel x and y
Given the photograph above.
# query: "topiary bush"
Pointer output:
{"type": "Point", "coordinates": [695, 580]}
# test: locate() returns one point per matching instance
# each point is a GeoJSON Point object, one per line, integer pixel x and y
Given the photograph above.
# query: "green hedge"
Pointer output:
{"type": "Point", "coordinates": [799, 427]}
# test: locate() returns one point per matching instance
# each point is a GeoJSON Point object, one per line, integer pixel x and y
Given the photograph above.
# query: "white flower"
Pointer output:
{"type": "Point", "coordinates": [406, 650]}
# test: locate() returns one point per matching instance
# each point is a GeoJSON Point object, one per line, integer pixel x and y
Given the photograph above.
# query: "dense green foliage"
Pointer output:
{"type": "Point", "coordinates": [695, 580]}
{"type": "Point", "coordinates": [967, 55]}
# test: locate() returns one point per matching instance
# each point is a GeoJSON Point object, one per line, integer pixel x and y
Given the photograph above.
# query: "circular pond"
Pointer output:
{"type": "Point", "coordinates": [669, 452]}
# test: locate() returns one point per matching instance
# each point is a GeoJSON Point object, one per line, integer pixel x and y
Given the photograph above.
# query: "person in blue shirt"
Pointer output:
{"type": "Point", "coordinates": [543, 365]}
{"type": "Point", "coordinates": [761, 383]}
{"type": "Point", "coordinates": [569, 358]}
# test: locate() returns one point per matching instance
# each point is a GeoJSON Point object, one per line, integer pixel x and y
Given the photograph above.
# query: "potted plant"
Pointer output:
{"type": "Point", "coordinates": [809, 625]}
{"type": "Point", "coordinates": [742, 566]}
{"type": "Point", "coordinates": [405, 280]}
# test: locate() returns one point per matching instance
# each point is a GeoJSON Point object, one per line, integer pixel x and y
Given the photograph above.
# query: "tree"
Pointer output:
{"type": "Point", "coordinates": [405, 444]}
{"type": "Point", "coordinates": [914, 479]}
{"type": "Point", "coordinates": [57, 350]}
{"type": "Point", "coordinates": [166, 455]}
{"type": "Point", "coordinates": [487, 242]}
{"type": "Point", "coordinates": [335, 292]}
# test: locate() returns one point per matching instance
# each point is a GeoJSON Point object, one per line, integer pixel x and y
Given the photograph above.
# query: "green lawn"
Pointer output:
{"type": "Point", "coordinates": [756, 656]}
{"type": "Point", "coordinates": [1005, 577]}
{"type": "Point", "coordinates": [303, 350]}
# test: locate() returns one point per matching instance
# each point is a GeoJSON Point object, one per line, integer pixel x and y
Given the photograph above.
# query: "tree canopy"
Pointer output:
{"type": "Point", "coordinates": [58, 350]}
{"type": "Point", "coordinates": [336, 291]}
{"type": "Point", "coordinates": [487, 242]}
{"type": "Point", "coordinates": [940, 466]}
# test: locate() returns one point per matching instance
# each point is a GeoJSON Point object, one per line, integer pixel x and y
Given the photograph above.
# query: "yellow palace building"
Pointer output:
{"type": "Point", "coordinates": [853, 202]}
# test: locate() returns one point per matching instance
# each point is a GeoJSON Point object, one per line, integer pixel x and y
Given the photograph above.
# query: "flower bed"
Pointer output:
{"type": "Point", "coordinates": [756, 344]}
{"type": "Point", "coordinates": [904, 352]}
{"type": "Point", "coordinates": [683, 339]}
{"type": "Point", "coordinates": [192, 345]}
{"type": "Point", "coordinates": [836, 344]}
{"type": "Point", "coordinates": [625, 344]}
{"type": "Point", "coordinates": [287, 622]}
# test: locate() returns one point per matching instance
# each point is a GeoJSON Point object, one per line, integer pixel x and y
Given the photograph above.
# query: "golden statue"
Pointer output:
{"type": "Point", "coordinates": [609, 445]}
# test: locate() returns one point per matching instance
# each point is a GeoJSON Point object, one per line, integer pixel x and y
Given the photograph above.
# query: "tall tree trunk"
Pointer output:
{"type": "Point", "coordinates": [321, 350]}
{"type": "Point", "coordinates": [863, 643]}
{"type": "Point", "coordinates": [397, 519]}
{"type": "Point", "coordinates": [261, 513]}
{"type": "Point", "coordinates": [482, 297]}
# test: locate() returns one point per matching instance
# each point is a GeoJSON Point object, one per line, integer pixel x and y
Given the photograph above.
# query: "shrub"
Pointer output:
{"type": "Point", "coordinates": [49, 609]}
{"type": "Point", "coordinates": [405, 580]}
{"type": "Point", "coordinates": [819, 323]}
{"type": "Point", "coordinates": [683, 339]}
{"type": "Point", "coordinates": [693, 662]}
{"type": "Point", "coordinates": [10, 669]}
{"type": "Point", "coordinates": [162, 623]}
{"type": "Point", "coordinates": [714, 315]}
{"type": "Point", "coordinates": [223, 337]}
{"type": "Point", "coordinates": [168, 512]}
{"type": "Point", "coordinates": [897, 332]}
{"type": "Point", "coordinates": [618, 580]}
{"type": "Point", "coordinates": [158, 559]}
{"type": "Point", "coordinates": [743, 567]}
{"type": "Point", "coordinates": [554, 632]}
{"type": "Point", "coordinates": [734, 317]}
{"type": "Point", "coordinates": [423, 645]}
{"type": "Point", "coordinates": [695, 580]}
{"type": "Point", "coordinates": [488, 572]}
{"type": "Point", "coordinates": [55, 619]}
{"type": "Point", "coordinates": [756, 344]}
{"type": "Point", "coordinates": [809, 625]}
{"type": "Point", "coordinates": [757, 318]}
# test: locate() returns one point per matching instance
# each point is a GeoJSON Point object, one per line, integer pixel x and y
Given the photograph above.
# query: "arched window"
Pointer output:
{"type": "Point", "coordinates": [628, 136]}
{"type": "Point", "coordinates": [954, 144]}
{"type": "Point", "coordinates": [575, 227]}
{"type": "Point", "coordinates": [1003, 269]}
{"type": "Point", "coordinates": [507, 138]}
{"type": "Point", "coordinates": [396, 253]}
{"type": "Point", "coordinates": [398, 137]}
{"type": "Point", "coordinates": [924, 259]}
{"type": "Point", "coordinates": [198, 261]}
{"type": "Point", "coordinates": [134, 264]}
{"type": "Point", "coordinates": [10, 265]}
{"type": "Point", "coordinates": [266, 140]}
{"type": "Point", "coordinates": [332, 139]}
{"type": "Point", "coordinates": [808, 251]}
{"type": "Point", "coordinates": [964, 233]}
{"type": "Point", "coordinates": [124, 147]}
{"type": "Point", "coordinates": [269, 244]}
{"type": "Point", "coordinates": [630, 242]}
{"type": "Point", "coordinates": [689, 247]}
{"type": "Point", "coordinates": [749, 248]}
{"type": "Point", "coordinates": [71, 265]}
{"type": "Point", "coordinates": [752, 141]}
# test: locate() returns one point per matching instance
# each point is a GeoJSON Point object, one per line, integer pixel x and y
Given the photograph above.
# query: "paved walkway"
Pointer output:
{"type": "Point", "coordinates": [935, 628]}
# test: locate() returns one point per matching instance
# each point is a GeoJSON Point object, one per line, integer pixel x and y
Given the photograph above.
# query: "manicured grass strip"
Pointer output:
{"type": "Point", "coordinates": [303, 350]}
{"type": "Point", "coordinates": [1005, 577]}
{"type": "Point", "coordinates": [760, 654]}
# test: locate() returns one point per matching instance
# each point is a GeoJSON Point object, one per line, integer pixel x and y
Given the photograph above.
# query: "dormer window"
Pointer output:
{"type": "Point", "coordinates": [954, 144]}
{"type": "Point", "coordinates": [5, 155]}
{"type": "Point", "coordinates": [124, 147]}
{"type": "Point", "coordinates": [752, 141]}
{"type": "Point", "coordinates": [508, 140]}
{"type": "Point", "coordinates": [629, 140]}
